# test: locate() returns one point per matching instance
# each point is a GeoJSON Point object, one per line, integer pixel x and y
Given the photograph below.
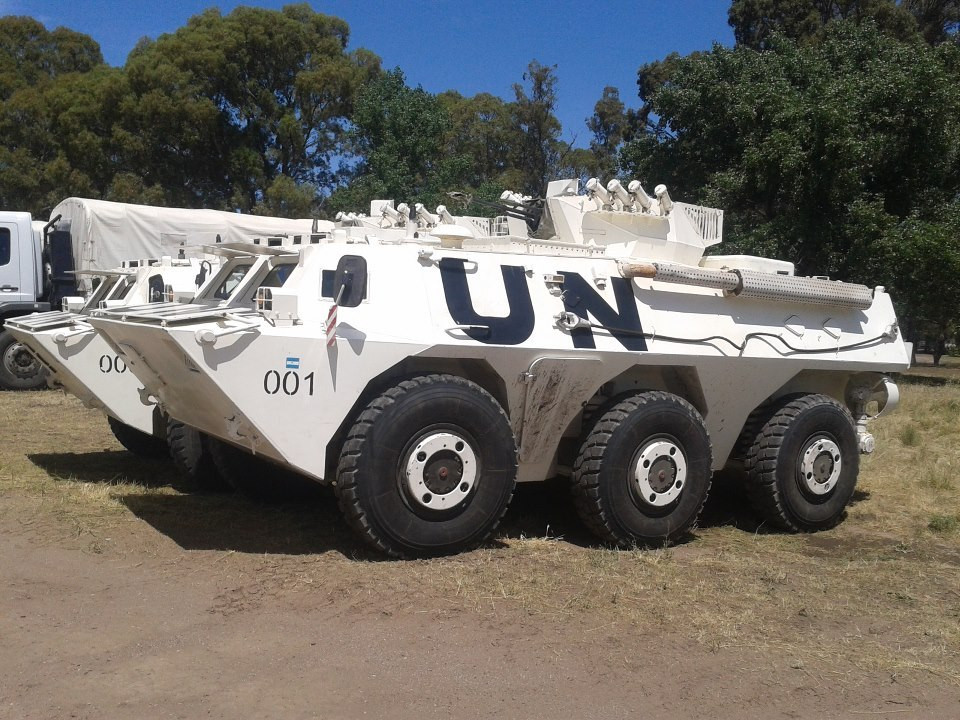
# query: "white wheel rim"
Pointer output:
{"type": "Point", "coordinates": [820, 466]}
{"type": "Point", "coordinates": [660, 472]}
{"type": "Point", "coordinates": [429, 466]}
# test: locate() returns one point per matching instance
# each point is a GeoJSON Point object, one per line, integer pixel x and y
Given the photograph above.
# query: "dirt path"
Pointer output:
{"type": "Point", "coordinates": [158, 631]}
{"type": "Point", "coordinates": [170, 605]}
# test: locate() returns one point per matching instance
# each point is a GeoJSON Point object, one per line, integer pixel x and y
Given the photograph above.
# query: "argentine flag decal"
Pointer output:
{"type": "Point", "coordinates": [293, 363]}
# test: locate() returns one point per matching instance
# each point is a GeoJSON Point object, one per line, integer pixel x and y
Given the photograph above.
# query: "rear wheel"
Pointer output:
{"type": "Point", "coordinates": [258, 478]}
{"type": "Point", "coordinates": [19, 369]}
{"type": "Point", "coordinates": [428, 468]}
{"type": "Point", "coordinates": [644, 470]}
{"type": "Point", "coordinates": [136, 441]}
{"type": "Point", "coordinates": [802, 467]}
{"type": "Point", "coordinates": [189, 449]}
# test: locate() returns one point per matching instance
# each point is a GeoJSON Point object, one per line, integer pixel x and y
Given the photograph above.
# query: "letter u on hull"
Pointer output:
{"type": "Point", "coordinates": [513, 329]}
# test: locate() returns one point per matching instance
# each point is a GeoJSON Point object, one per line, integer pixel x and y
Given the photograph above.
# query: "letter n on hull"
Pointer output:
{"type": "Point", "coordinates": [579, 297]}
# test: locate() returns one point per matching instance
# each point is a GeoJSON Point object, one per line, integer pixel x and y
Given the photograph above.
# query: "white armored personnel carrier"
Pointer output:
{"type": "Point", "coordinates": [80, 362]}
{"type": "Point", "coordinates": [424, 373]}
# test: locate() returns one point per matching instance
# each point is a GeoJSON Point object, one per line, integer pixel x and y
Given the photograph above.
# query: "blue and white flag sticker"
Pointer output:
{"type": "Point", "coordinates": [293, 363]}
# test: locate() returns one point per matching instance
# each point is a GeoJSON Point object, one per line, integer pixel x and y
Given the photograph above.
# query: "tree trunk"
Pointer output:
{"type": "Point", "coordinates": [939, 350]}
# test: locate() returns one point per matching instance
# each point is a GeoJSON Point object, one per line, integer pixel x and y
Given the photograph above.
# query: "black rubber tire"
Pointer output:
{"type": "Point", "coordinates": [603, 482]}
{"type": "Point", "coordinates": [372, 493]}
{"type": "Point", "coordinates": [32, 376]}
{"type": "Point", "coordinates": [189, 449]}
{"type": "Point", "coordinates": [138, 442]}
{"type": "Point", "coordinates": [774, 483]}
{"type": "Point", "coordinates": [735, 473]}
{"type": "Point", "coordinates": [258, 478]}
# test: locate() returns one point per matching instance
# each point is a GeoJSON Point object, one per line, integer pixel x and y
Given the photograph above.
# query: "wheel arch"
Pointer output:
{"type": "Point", "coordinates": [473, 369]}
{"type": "Point", "coordinates": [680, 380]}
{"type": "Point", "coordinates": [837, 384]}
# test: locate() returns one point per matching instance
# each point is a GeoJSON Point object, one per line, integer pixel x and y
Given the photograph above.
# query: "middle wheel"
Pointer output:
{"type": "Point", "coordinates": [644, 470]}
{"type": "Point", "coordinates": [428, 468]}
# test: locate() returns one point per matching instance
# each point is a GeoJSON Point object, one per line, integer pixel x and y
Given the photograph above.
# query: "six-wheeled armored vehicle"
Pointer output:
{"type": "Point", "coordinates": [424, 364]}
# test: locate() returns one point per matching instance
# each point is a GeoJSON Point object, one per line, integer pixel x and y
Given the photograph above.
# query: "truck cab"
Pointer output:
{"type": "Point", "coordinates": [20, 265]}
{"type": "Point", "coordinates": [21, 284]}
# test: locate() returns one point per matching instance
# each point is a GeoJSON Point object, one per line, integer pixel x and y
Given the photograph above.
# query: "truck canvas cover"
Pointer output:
{"type": "Point", "coordinates": [106, 234]}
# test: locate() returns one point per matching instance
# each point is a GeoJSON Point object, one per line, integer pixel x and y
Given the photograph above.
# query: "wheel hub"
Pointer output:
{"type": "Point", "coordinates": [440, 471]}
{"type": "Point", "coordinates": [659, 472]}
{"type": "Point", "coordinates": [820, 466]}
{"type": "Point", "coordinates": [19, 362]}
{"type": "Point", "coordinates": [443, 472]}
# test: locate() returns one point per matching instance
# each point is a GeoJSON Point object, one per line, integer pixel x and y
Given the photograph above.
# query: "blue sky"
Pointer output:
{"type": "Point", "coordinates": [478, 46]}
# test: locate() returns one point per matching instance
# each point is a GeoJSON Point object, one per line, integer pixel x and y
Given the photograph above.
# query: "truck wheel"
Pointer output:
{"type": "Point", "coordinates": [802, 468]}
{"type": "Point", "coordinates": [428, 468]}
{"type": "Point", "coordinates": [258, 478]}
{"type": "Point", "coordinates": [19, 370]}
{"type": "Point", "coordinates": [189, 449]}
{"type": "Point", "coordinates": [137, 442]}
{"type": "Point", "coordinates": [644, 470]}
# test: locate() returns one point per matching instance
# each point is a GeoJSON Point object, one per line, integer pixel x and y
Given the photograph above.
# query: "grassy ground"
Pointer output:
{"type": "Point", "coordinates": [947, 371]}
{"type": "Point", "coordinates": [880, 593]}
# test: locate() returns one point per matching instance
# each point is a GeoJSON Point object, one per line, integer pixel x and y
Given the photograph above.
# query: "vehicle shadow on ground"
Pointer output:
{"type": "Point", "coordinates": [197, 520]}
{"type": "Point", "coordinates": [108, 467]}
{"type": "Point", "coordinates": [231, 522]}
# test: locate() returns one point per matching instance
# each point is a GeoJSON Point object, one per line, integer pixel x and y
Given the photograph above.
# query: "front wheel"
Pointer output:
{"type": "Point", "coordinates": [644, 470]}
{"type": "Point", "coordinates": [802, 467]}
{"type": "Point", "coordinates": [19, 369]}
{"type": "Point", "coordinates": [428, 468]}
{"type": "Point", "coordinates": [190, 452]}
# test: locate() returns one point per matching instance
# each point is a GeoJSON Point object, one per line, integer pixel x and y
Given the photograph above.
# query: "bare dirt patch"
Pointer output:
{"type": "Point", "coordinates": [126, 594]}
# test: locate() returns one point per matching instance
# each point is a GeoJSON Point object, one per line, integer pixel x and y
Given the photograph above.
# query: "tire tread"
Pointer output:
{"type": "Point", "coordinates": [761, 459]}
{"type": "Point", "coordinates": [136, 441]}
{"type": "Point", "coordinates": [585, 479]}
{"type": "Point", "coordinates": [192, 457]}
{"type": "Point", "coordinates": [356, 443]}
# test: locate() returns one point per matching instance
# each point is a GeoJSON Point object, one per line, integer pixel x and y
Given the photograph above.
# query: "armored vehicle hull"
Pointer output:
{"type": "Point", "coordinates": [452, 367]}
{"type": "Point", "coordinates": [80, 361]}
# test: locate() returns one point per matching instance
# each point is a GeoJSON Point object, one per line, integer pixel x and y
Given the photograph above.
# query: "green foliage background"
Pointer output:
{"type": "Point", "coordinates": [829, 132]}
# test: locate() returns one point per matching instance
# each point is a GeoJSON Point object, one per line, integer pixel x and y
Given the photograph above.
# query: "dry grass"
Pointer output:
{"type": "Point", "coordinates": [880, 593]}
{"type": "Point", "coordinates": [947, 371]}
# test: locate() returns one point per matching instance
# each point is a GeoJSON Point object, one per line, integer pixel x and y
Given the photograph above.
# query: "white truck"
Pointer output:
{"type": "Point", "coordinates": [424, 376]}
{"type": "Point", "coordinates": [42, 263]}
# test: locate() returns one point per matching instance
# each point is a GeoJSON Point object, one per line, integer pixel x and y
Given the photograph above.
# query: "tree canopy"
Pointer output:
{"type": "Point", "coordinates": [837, 148]}
{"type": "Point", "coordinates": [755, 22]}
{"type": "Point", "coordinates": [30, 54]}
{"type": "Point", "coordinates": [828, 133]}
{"type": "Point", "coordinates": [257, 110]}
{"type": "Point", "coordinates": [245, 111]}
